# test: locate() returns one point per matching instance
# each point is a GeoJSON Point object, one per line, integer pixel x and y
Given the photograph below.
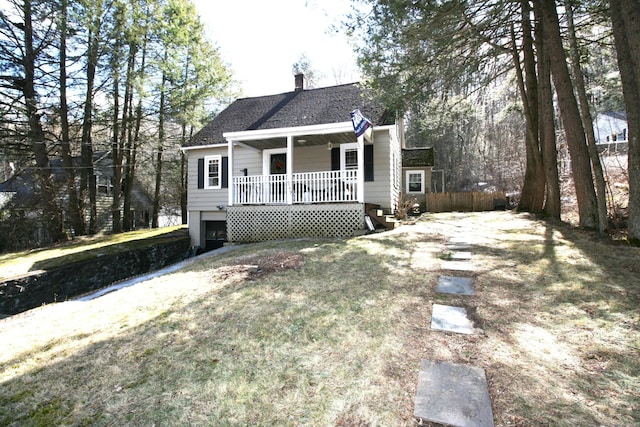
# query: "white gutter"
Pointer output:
{"type": "Point", "coordinates": [250, 135]}
{"type": "Point", "coordinates": [199, 147]}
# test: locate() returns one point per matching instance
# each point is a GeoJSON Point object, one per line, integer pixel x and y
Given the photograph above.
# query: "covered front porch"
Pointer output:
{"type": "Point", "coordinates": [296, 188]}
{"type": "Point", "coordinates": [301, 165]}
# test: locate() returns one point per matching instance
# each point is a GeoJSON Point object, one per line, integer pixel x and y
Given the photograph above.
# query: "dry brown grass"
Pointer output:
{"type": "Point", "coordinates": [331, 333]}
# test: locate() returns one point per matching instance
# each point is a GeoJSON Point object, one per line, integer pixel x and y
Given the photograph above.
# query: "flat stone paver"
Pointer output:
{"type": "Point", "coordinates": [450, 319]}
{"type": "Point", "coordinates": [462, 240]}
{"type": "Point", "coordinates": [456, 395]}
{"type": "Point", "coordinates": [457, 265]}
{"type": "Point", "coordinates": [458, 246]}
{"type": "Point", "coordinates": [460, 256]}
{"type": "Point", "coordinates": [455, 285]}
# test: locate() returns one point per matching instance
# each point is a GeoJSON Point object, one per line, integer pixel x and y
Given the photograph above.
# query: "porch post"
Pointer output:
{"type": "Point", "coordinates": [360, 185]}
{"type": "Point", "coordinates": [289, 169]}
{"type": "Point", "coordinates": [230, 173]}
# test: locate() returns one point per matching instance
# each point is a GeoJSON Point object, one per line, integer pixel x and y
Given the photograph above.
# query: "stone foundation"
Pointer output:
{"type": "Point", "coordinates": [41, 287]}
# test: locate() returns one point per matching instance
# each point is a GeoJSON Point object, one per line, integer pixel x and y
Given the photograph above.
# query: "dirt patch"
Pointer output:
{"type": "Point", "coordinates": [250, 268]}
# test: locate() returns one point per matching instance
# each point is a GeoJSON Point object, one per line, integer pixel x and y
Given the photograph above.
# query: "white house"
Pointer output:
{"type": "Point", "coordinates": [610, 128]}
{"type": "Point", "coordinates": [291, 165]}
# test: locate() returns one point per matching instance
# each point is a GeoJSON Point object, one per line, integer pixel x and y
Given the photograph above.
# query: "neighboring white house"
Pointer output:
{"type": "Point", "coordinates": [611, 130]}
{"type": "Point", "coordinates": [290, 165]}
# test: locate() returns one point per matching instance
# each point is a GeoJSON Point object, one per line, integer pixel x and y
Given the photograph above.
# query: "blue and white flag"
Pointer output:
{"type": "Point", "coordinates": [360, 123]}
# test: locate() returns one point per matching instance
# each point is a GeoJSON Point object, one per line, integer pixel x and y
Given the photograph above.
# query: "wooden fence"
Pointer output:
{"type": "Point", "coordinates": [468, 201]}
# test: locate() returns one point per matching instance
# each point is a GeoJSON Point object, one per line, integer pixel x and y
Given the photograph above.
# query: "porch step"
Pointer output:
{"type": "Point", "coordinates": [381, 217]}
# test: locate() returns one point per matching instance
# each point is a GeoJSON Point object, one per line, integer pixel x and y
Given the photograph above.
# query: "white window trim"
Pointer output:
{"type": "Point", "coordinates": [343, 149]}
{"type": "Point", "coordinates": [415, 172]}
{"type": "Point", "coordinates": [208, 160]}
{"type": "Point", "coordinates": [266, 158]}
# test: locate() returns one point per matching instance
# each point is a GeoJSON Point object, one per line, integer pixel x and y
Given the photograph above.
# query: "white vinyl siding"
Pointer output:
{"type": "Point", "coordinates": [204, 199]}
{"type": "Point", "coordinates": [378, 191]}
{"type": "Point", "coordinates": [311, 159]}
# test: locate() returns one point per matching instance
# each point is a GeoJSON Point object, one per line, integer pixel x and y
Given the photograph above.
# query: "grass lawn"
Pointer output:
{"type": "Point", "coordinates": [331, 333]}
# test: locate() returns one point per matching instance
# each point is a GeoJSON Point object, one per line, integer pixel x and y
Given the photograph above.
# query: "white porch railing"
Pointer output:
{"type": "Point", "coordinates": [305, 187]}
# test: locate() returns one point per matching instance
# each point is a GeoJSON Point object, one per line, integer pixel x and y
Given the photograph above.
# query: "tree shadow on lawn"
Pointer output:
{"type": "Point", "coordinates": [567, 305]}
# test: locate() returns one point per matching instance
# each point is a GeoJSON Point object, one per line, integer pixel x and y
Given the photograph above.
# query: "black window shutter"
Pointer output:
{"type": "Point", "coordinates": [200, 173]}
{"type": "Point", "coordinates": [335, 159]}
{"type": "Point", "coordinates": [368, 162]}
{"type": "Point", "coordinates": [225, 172]}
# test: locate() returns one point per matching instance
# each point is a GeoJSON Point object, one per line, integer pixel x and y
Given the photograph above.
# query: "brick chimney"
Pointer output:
{"type": "Point", "coordinates": [299, 82]}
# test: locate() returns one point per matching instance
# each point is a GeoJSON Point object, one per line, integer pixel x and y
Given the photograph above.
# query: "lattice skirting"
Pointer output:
{"type": "Point", "coordinates": [258, 223]}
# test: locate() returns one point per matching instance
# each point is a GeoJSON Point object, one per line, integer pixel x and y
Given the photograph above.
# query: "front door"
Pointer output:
{"type": "Point", "coordinates": [278, 164]}
{"type": "Point", "coordinates": [275, 166]}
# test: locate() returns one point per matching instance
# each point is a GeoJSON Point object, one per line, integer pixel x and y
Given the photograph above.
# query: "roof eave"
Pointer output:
{"type": "Point", "coordinates": [200, 147]}
{"type": "Point", "coordinates": [321, 129]}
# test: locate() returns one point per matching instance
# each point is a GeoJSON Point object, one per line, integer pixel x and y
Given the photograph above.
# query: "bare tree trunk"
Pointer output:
{"type": "Point", "coordinates": [132, 147]}
{"type": "Point", "coordinates": [158, 168]}
{"type": "Point", "coordinates": [587, 121]}
{"type": "Point", "coordinates": [87, 176]}
{"type": "Point", "coordinates": [118, 161]}
{"type": "Point", "coordinates": [574, 131]}
{"type": "Point", "coordinates": [116, 153]}
{"type": "Point", "coordinates": [546, 124]}
{"type": "Point", "coordinates": [533, 188]}
{"type": "Point", "coordinates": [625, 19]}
{"type": "Point", "coordinates": [75, 213]}
{"type": "Point", "coordinates": [52, 216]}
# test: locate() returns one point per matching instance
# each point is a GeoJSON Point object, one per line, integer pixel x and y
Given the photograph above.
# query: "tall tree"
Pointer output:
{"type": "Point", "coordinates": [146, 25]}
{"type": "Point", "coordinates": [546, 128]}
{"type": "Point", "coordinates": [570, 113]}
{"type": "Point", "coordinates": [23, 48]}
{"type": "Point", "coordinates": [73, 205]}
{"type": "Point", "coordinates": [93, 20]}
{"type": "Point", "coordinates": [625, 19]}
{"type": "Point", "coordinates": [66, 66]}
{"type": "Point", "coordinates": [587, 118]}
{"type": "Point", "coordinates": [533, 188]}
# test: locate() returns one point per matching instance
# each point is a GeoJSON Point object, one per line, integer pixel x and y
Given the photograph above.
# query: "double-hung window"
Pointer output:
{"type": "Point", "coordinates": [349, 156]}
{"type": "Point", "coordinates": [213, 172]}
{"type": "Point", "coordinates": [415, 181]}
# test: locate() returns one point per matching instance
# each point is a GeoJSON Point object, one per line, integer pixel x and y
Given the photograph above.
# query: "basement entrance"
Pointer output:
{"type": "Point", "coordinates": [215, 234]}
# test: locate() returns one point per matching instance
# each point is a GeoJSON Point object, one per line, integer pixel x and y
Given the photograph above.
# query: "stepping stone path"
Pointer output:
{"type": "Point", "coordinates": [457, 266]}
{"type": "Point", "coordinates": [451, 394]}
{"type": "Point", "coordinates": [450, 319]}
{"type": "Point", "coordinates": [455, 285]}
{"type": "Point", "coordinates": [461, 256]}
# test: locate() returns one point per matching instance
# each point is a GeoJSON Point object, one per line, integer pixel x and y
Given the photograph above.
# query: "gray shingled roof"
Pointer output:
{"type": "Point", "coordinates": [292, 109]}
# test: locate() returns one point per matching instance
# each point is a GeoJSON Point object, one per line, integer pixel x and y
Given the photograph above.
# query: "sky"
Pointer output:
{"type": "Point", "coordinates": [262, 39]}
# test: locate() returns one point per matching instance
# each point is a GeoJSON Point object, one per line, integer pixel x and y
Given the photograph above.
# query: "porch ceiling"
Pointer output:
{"type": "Point", "coordinates": [302, 140]}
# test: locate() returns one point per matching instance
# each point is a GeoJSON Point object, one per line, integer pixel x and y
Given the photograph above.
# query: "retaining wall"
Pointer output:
{"type": "Point", "coordinates": [41, 287]}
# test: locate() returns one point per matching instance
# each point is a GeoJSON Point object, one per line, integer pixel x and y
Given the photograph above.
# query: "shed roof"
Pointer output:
{"type": "Point", "coordinates": [292, 109]}
{"type": "Point", "coordinates": [417, 157]}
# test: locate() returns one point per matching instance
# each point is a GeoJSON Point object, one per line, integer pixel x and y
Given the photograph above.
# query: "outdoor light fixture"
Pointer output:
{"type": "Point", "coordinates": [329, 145]}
